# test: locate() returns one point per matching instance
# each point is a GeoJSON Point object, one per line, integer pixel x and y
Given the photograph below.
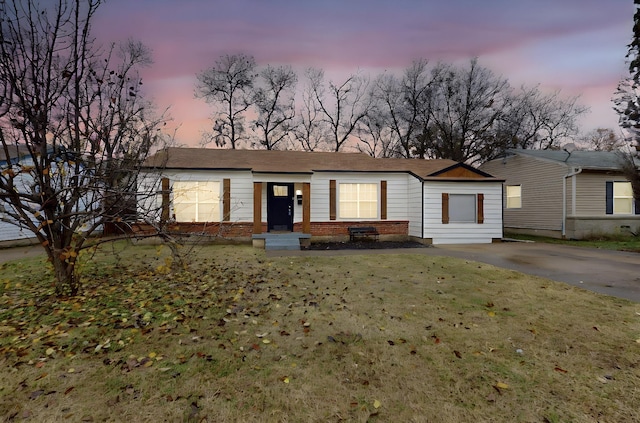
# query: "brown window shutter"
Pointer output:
{"type": "Point", "coordinates": [445, 207]}
{"type": "Point", "coordinates": [383, 200]}
{"type": "Point", "coordinates": [226, 200]}
{"type": "Point", "coordinates": [306, 208]}
{"type": "Point", "coordinates": [480, 208]}
{"type": "Point", "coordinates": [332, 199]}
{"type": "Point", "coordinates": [164, 214]}
{"type": "Point", "coordinates": [257, 207]}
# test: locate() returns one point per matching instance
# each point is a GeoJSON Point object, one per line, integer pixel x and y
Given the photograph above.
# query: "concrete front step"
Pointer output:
{"type": "Point", "coordinates": [281, 241]}
{"type": "Point", "coordinates": [282, 244]}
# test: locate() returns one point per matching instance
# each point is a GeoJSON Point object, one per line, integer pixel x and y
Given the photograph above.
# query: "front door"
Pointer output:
{"type": "Point", "coordinates": [279, 207]}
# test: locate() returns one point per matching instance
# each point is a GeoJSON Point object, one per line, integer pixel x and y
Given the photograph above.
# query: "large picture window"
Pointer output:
{"type": "Point", "coordinates": [514, 196]}
{"type": "Point", "coordinates": [358, 201]}
{"type": "Point", "coordinates": [196, 201]}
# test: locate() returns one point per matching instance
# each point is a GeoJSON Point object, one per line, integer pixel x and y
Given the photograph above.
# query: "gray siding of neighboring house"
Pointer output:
{"type": "Point", "coordinates": [541, 183]}
{"type": "Point", "coordinates": [591, 192]}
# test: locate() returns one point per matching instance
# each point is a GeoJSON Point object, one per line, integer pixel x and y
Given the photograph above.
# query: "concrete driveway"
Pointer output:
{"type": "Point", "coordinates": [614, 273]}
{"type": "Point", "coordinates": [608, 272]}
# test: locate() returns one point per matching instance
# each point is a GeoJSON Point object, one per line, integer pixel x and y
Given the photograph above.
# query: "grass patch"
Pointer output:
{"type": "Point", "coordinates": [239, 337]}
{"type": "Point", "coordinates": [607, 242]}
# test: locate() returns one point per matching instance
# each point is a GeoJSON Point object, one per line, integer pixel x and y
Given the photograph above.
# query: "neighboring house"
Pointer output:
{"type": "Point", "coordinates": [244, 193]}
{"type": "Point", "coordinates": [10, 233]}
{"type": "Point", "coordinates": [568, 195]}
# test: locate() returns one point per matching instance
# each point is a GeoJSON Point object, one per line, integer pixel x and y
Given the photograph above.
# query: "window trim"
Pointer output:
{"type": "Point", "coordinates": [478, 205]}
{"type": "Point", "coordinates": [611, 199]}
{"type": "Point", "coordinates": [508, 197]}
{"type": "Point", "coordinates": [358, 201]}
{"type": "Point", "coordinates": [215, 201]}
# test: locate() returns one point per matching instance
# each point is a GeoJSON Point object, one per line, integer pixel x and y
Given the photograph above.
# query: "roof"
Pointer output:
{"type": "Point", "coordinates": [278, 161]}
{"type": "Point", "coordinates": [591, 160]}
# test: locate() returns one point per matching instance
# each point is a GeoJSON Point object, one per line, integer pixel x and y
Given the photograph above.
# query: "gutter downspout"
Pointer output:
{"type": "Point", "coordinates": [574, 171]}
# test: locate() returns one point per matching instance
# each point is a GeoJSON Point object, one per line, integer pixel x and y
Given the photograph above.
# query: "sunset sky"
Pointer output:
{"type": "Point", "coordinates": [577, 46]}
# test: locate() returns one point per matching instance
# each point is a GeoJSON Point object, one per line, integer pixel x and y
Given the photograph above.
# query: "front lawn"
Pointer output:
{"type": "Point", "coordinates": [239, 337]}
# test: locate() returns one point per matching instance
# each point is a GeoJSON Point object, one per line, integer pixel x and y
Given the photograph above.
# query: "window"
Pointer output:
{"type": "Point", "coordinates": [462, 208]}
{"type": "Point", "coordinates": [280, 191]}
{"type": "Point", "coordinates": [196, 201]}
{"type": "Point", "coordinates": [514, 196]}
{"type": "Point", "coordinates": [622, 198]}
{"type": "Point", "coordinates": [358, 201]}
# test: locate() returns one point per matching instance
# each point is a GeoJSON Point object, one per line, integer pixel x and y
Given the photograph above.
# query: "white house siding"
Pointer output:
{"type": "Point", "coordinates": [414, 206]}
{"type": "Point", "coordinates": [397, 192]}
{"type": "Point", "coordinates": [241, 190]}
{"type": "Point", "coordinates": [462, 233]}
{"type": "Point", "coordinates": [541, 183]}
{"type": "Point", "coordinates": [10, 232]}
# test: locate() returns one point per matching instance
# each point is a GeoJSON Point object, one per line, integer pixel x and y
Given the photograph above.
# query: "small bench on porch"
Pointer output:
{"type": "Point", "coordinates": [358, 232]}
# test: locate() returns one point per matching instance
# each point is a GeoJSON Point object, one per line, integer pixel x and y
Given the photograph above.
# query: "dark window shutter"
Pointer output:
{"type": "Point", "coordinates": [383, 200]}
{"type": "Point", "coordinates": [480, 208]}
{"type": "Point", "coordinates": [637, 204]}
{"type": "Point", "coordinates": [332, 199]}
{"type": "Point", "coordinates": [609, 191]}
{"type": "Point", "coordinates": [164, 216]}
{"type": "Point", "coordinates": [445, 208]}
{"type": "Point", "coordinates": [226, 200]}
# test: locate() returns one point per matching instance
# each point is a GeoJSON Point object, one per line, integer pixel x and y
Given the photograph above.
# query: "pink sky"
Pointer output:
{"type": "Point", "coordinates": [576, 46]}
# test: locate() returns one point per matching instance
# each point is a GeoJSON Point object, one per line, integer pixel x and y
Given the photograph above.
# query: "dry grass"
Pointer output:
{"type": "Point", "coordinates": [243, 338]}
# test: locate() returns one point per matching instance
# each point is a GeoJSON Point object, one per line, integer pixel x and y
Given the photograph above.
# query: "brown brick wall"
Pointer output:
{"type": "Point", "coordinates": [245, 229]}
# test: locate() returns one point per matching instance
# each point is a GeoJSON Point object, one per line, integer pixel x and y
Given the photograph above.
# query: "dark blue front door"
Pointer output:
{"type": "Point", "coordinates": [279, 207]}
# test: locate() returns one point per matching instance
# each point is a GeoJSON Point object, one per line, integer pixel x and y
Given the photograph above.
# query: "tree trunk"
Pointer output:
{"type": "Point", "coordinates": [66, 279]}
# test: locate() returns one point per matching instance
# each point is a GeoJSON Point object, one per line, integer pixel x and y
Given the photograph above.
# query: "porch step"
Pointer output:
{"type": "Point", "coordinates": [282, 241]}
{"type": "Point", "coordinates": [282, 244]}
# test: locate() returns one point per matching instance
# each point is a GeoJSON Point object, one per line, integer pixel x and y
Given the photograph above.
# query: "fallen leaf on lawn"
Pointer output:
{"type": "Point", "coordinates": [491, 313]}
{"type": "Point", "coordinates": [152, 355]}
{"type": "Point", "coordinates": [602, 379]}
{"type": "Point", "coordinates": [285, 379]}
{"type": "Point", "coordinates": [36, 394]}
{"type": "Point", "coordinates": [376, 404]}
{"type": "Point", "coordinates": [560, 369]}
{"type": "Point", "coordinates": [499, 386]}
{"type": "Point", "coordinates": [43, 375]}
{"type": "Point", "coordinates": [39, 364]}
{"type": "Point", "coordinates": [266, 341]}
{"type": "Point", "coordinates": [50, 351]}
{"type": "Point", "coordinates": [69, 389]}
{"type": "Point", "coordinates": [71, 370]}
{"type": "Point", "coordinates": [457, 353]}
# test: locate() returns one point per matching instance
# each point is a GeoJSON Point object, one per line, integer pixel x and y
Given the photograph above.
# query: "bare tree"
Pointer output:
{"type": "Point", "coordinates": [341, 106]}
{"type": "Point", "coordinates": [603, 139]}
{"type": "Point", "coordinates": [74, 121]}
{"type": "Point", "coordinates": [375, 138]}
{"type": "Point", "coordinates": [310, 130]}
{"type": "Point", "coordinates": [534, 120]}
{"type": "Point", "coordinates": [228, 86]}
{"type": "Point", "coordinates": [274, 102]}
{"type": "Point", "coordinates": [404, 104]}
{"type": "Point", "coordinates": [467, 104]}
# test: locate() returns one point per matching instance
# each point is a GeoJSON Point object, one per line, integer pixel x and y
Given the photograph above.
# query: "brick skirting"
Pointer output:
{"type": "Point", "coordinates": [244, 230]}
